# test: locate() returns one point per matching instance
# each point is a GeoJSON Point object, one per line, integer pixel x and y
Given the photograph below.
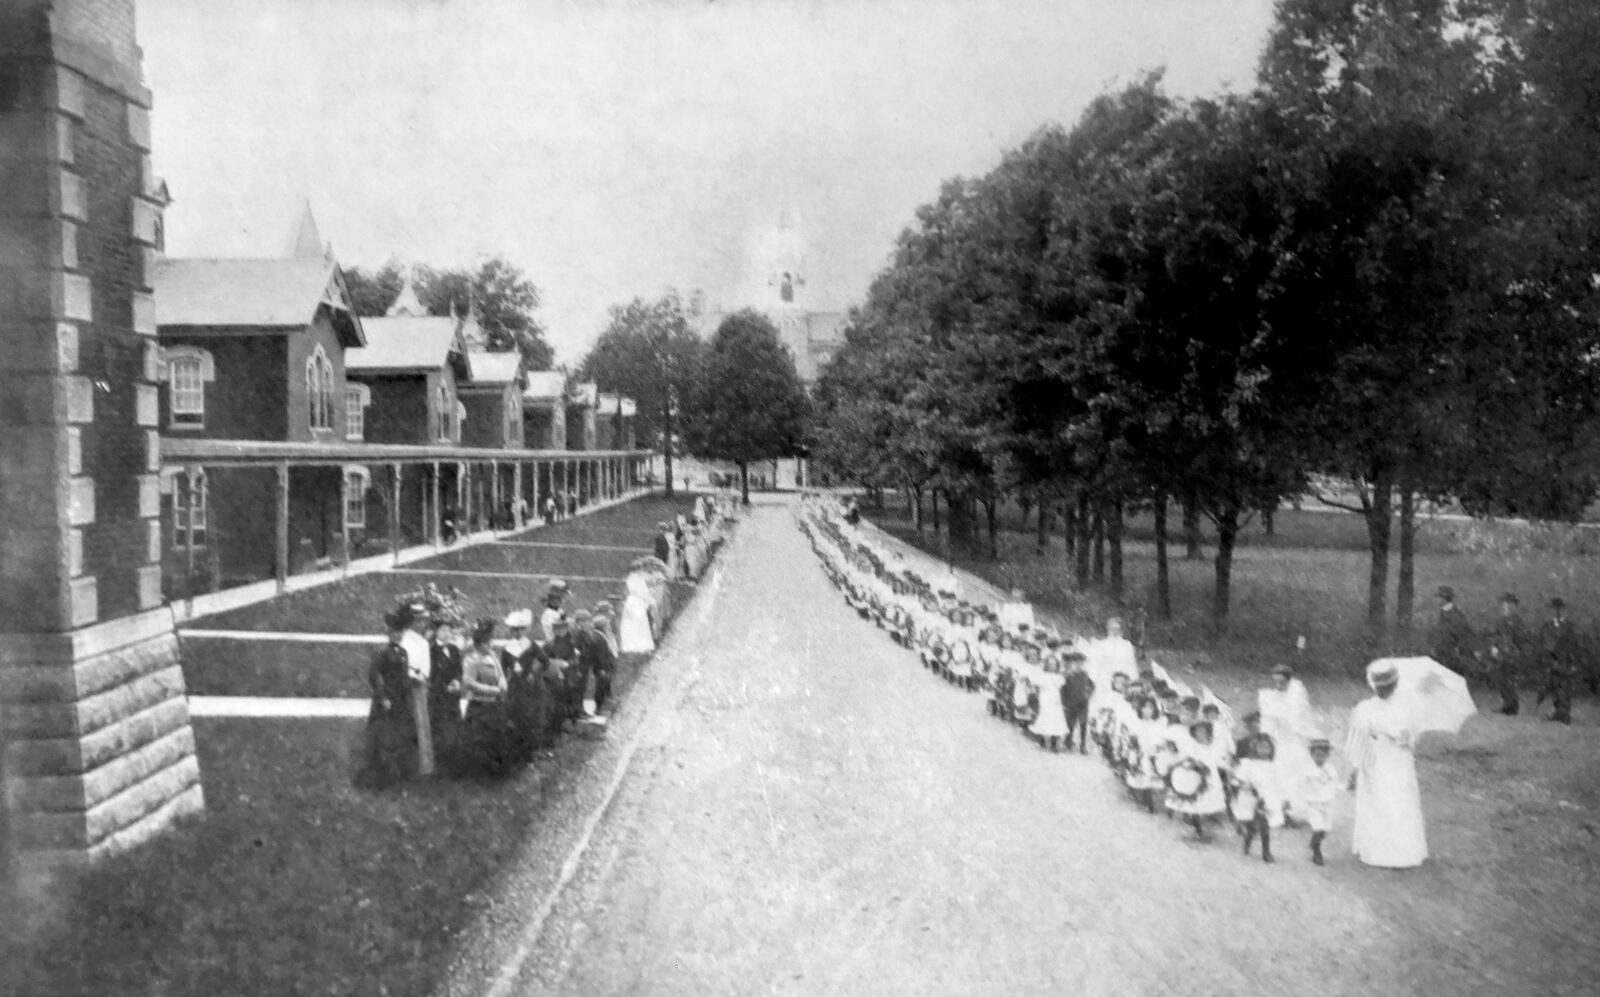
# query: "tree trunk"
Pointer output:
{"type": "Point", "coordinates": [744, 481]}
{"type": "Point", "coordinates": [1114, 536]}
{"type": "Point", "coordinates": [1191, 528]}
{"type": "Point", "coordinates": [1227, 532]}
{"type": "Point", "coordinates": [1163, 584]}
{"type": "Point", "coordinates": [1069, 529]}
{"type": "Point", "coordinates": [1268, 514]}
{"type": "Point", "coordinates": [1405, 590]}
{"type": "Point", "coordinates": [916, 507]}
{"type": "Point", "coordinates": [666, 445]}
{"type": "Point", "coordinates": [1083, 542]}
{"type": "Point", "coordinates": [1041, 536]}
{"type": "Point", "coordinates": [1376, 513]}
{"type": "Point", "coordinates": [994, 547]}
{"type": "Point", "coordinates": [1099, 545]}
{"type": "Point", "coordinates": [935, 499]}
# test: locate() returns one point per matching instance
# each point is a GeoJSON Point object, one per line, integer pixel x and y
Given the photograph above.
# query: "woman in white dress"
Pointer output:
{"type": "Point", "coordinates": [1286, 716]}
{"type": "Point", "coordinates": [634, 635]}
{"type": "Point", "coordinates": [1388, 828]}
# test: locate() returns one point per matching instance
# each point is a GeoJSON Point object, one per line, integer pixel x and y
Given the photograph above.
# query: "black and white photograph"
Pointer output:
{"type": "Point", "coordinates": [804, 497]}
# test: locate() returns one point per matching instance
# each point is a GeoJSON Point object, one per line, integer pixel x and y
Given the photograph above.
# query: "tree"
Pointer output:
{"type": "Point", "coordinates": [750, 404]}
{"type": "Point", "coordinates": [649, 353]}
{"type": "Point", "coordinates": [501, 296]}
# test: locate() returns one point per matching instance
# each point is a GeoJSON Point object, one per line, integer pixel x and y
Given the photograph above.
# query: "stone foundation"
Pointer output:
{"type": "Point", "coordinates": [97, 754]}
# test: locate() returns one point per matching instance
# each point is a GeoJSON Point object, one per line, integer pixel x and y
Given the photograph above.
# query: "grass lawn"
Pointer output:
{"type": "Point", "coordinates": [294, 882]}
{"type": "Point", "coordinates": [580, 559]}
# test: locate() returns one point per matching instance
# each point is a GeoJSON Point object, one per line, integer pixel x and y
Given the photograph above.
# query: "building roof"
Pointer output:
{"type": "Point", "coordinates": [407, 343]}
{"type": "Point", "coordinates": [260, 293]}
{"type": "Point", "coordinates": [305, 241]}
{"type": "Point", "coordinates": [545, 386]}
{"type": "Point", "coordinates": [494, 366]}
{"type": "Point", "coordinates": [587, 393]}
{"type": "Point", "coordinates": [406, 302]}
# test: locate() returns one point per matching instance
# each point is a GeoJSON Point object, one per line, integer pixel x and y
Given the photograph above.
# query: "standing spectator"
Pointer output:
{"type": "Point", "coordinates": [419, 665]}
{"type": "Point", "coordinates": [444, 692]}
{"type": "Point", "coordinates": [527, 704]}
{"type": "Point", "coordinates": [549, 509]}
{"type": "Point", "coordinates": [567, 672]}
{"type": "Point", "coordinates": [485, 744]}
{"type": "Point", "coordinates": [1452, 636]}
{"type": "Point", "coordinates": [1561, 656]}
{"type": "Point", "coordinates": [1508, 653]}
{"type": "Point", "coordinates": [598, 658]}
{"type": "Point", "coordinates": [391, 747]}
{"type": "Point", "coordinates": [555, 597]}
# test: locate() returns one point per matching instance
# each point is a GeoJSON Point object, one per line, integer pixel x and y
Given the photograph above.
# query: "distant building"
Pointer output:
{"type": "Point", "coordinates": [776, 285]}
{"type": "Point", "coordinates": [544, 410]}
{"type": "Point", "coordinates": [411, 366]}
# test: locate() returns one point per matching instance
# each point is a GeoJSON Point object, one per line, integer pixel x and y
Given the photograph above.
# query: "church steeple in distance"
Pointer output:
{"type": "Point", "coordinates": [779, 263]}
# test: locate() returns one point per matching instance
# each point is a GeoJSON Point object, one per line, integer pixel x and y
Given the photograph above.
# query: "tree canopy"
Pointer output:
{"type": "Point", "coordinates": [750, 404]}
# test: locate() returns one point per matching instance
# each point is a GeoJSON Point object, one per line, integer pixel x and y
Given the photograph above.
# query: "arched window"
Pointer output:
{"type": "Point", "coordinates": [319, 389]}
{"type": "Point", "coordinates": [356, 399]}
{"type": "Point", "coordinates": [447, 409]}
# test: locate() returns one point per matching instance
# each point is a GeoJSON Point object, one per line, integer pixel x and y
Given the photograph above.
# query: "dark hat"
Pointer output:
{"type": "Point", "coordinates": [484, 628]}
{"type": "Point", "coordinates": [1254, 716]}
{"type": "Point", "coordinates": [1446, 592]}
{"type": "Point", "coordinates": [397, 619]}
{"type": "Point", "coordinates": [1211, 708]}
{"type": "Point", "coordinates": [1191, 701]}
{"type": "Point", "coordinates": [1558, 603]}
{"type": "Point", "coordinates": [1510, 597]}
{"type": "Point", "coordinates": [1321, 744]}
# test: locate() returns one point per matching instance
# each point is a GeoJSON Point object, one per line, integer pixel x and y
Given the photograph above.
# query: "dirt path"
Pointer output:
{"type": "Point", "coordinates": [817, 814]}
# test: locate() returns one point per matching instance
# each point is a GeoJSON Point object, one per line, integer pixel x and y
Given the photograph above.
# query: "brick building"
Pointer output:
{"type": "Point", "coordinates": [544, 410]}
{"type": "Point", "coordinates": [254, 349]}
{"type": "Point", "coordinates": [96, 750]}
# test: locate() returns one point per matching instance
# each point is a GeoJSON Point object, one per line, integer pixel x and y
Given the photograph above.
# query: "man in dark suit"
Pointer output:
{"type": "Point", "coordinates": [1452, 636]}
{"type": "Point", "coordinates": [597, 657]}
{"type": "Point", "coordinates": [566, 659]}
{"type": "Point", "coordinates": [1559, 645]}
{"type": "Point", "coordinates": [1508, 653]}
{"type": "Point", "coordinates": [444, 693]}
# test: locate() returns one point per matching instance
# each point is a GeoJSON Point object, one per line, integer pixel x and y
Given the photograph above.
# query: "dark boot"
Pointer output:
{"type": "Point", "coordinates": [1316, 846]}
{"type": "Point", "coordinates": [1266, 843]}
{"type": "Point", "coordinates": [1249, 837]}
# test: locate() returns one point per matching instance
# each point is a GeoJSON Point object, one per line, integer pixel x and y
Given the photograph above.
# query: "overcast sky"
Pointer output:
{"type": "Point", "coordinates": [614, 149]}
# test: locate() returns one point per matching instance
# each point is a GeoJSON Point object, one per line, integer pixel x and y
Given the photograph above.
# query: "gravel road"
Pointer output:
{"type": "Point", "coordinates": [811, 812]}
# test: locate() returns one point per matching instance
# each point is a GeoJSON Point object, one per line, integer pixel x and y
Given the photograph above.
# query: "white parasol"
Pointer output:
{"type": "Point", "coordinates": [1435, 698]}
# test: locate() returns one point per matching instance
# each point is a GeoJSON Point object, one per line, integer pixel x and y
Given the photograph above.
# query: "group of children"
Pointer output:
{"type": "Point", "coordinates": [1173, 749]}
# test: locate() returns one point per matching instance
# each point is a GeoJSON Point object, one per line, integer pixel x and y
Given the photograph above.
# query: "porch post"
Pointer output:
{"type": "Point", "coordinates": [516, 489]}
{"type": "Point", "coordinates": [394, 511]}
{"type": "Point", "coordinates": [344, 515]}
{"type": "Point", "coordinates": [463, 498]}
{"type": "Point", "coordinates": [534, 505]}
{"type": "Point", "coordinates": [435, 520]}
{"type": "Point", "coordinates": [280, 569]}
{"type": "Point", "coordinates": [494, 490]}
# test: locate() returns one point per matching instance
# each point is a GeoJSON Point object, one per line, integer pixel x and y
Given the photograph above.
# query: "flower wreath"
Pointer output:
{"type": "Point", "coordinates": [1188, 780]}
{"type": "Point", "coordinates": [438, 606]}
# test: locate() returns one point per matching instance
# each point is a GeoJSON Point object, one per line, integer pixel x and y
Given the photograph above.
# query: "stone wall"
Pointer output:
{"type": "Point", "coordinates": [94, 729]}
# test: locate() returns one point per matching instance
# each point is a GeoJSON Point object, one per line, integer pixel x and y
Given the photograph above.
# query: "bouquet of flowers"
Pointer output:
{"type": "Point", "coordinates": [447, 606]}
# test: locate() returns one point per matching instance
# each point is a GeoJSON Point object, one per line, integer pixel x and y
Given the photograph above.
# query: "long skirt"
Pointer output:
{"type": "Point", "coordinates": [419, 709]}
{"type": "Point", "coordinates": [391, 746]}
{"type": "Point", "coordinates": [1388, 829]}
{"type": "Point", "coordinates": [488, 746]}
{"type": "Point", "coordinates": [634, 636]}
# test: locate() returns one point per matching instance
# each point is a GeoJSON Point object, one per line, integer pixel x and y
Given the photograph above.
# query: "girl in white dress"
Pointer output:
{"type": "Point", "coordinates": [635, 636]}
{"type": "Point", "coordinates": [1388, 830]}
{"type": "Point", "coordinates": [1050, 726]}
{"type": "Point", "coordinates": [1286, 716]}
{"type": "Point", "coordinates": [1196, 787]}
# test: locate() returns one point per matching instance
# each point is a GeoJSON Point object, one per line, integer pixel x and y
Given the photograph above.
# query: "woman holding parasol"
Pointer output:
{"type": "Point", "coordinates": [1388, 830]}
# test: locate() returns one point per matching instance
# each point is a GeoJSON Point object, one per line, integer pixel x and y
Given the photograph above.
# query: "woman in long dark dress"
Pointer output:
{"type": "Point", "coordinates": [523, 663]}
{"type": "Point", "coordinates": [486, 745]}
{"type": "Point", "coordinates": [391, 749]}
{"type": "Point", "coordinates": [444, 696]}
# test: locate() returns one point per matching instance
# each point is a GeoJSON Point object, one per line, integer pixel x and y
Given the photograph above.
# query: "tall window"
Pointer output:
{"type": "Point", "coordinates": [319, 389]}
{"type": "Point", "coordinates": [446, 411]}
{"type": "Point", "coordinates": [187, 391]}
{"type": "Point", "coordinates": [355, 500]}
{"type": "Point", "coordinates": [189, 510]}
{"type": "Point", "coordinates": [356, 398]}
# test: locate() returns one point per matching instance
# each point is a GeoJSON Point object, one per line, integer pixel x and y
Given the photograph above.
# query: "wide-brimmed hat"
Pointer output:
{"type": "Point", "coordinates": [483, 630]}
{"type": "Point", "coordinates": [521, 618]}
{"type": "Point", "coordinates": [582, 616]}
{"type": "Point", "coordinates": [1320, 743]}
{"type": "Point", "coordinates": [1446, 592]}
{"type": "Point", "coordinates": [1382, 673]}
{"type": "Point", "coordinates": [556, 586]}
{"type": "Point", "coordinates": [398, 618]}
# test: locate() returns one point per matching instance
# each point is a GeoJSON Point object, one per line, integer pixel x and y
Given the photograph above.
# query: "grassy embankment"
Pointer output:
{"type": "Point", "coordinates": [295, 882]}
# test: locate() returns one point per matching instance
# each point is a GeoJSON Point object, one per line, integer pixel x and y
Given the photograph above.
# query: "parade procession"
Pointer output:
{"type": "Point", "coordinates": [1177, 749]}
